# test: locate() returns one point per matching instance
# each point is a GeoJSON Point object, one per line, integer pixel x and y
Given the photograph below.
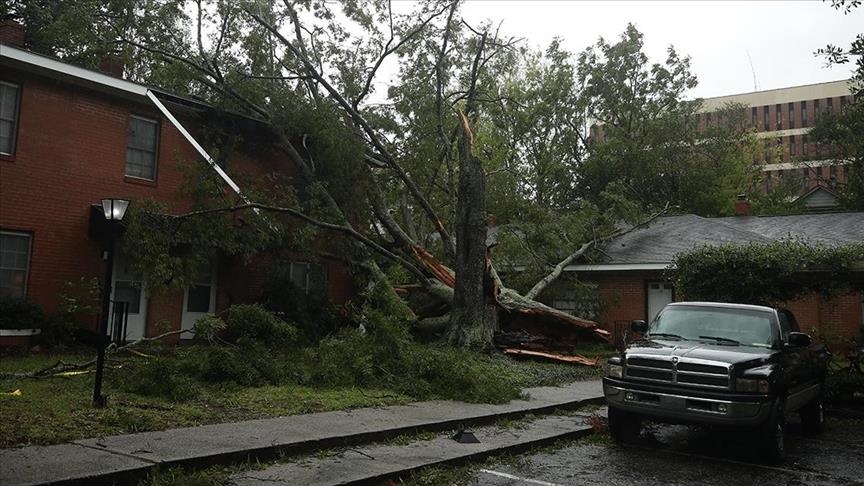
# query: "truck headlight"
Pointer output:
{"type": "Point", "coordinates": [614, 370]}
{"type": "Point", "coordinates": [751, 385]}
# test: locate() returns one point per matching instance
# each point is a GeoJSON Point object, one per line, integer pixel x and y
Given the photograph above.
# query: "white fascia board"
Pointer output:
{"type": "Point", "coordinates": [605, 267]}
{"type": "Point", "coordinates": [47, 65]}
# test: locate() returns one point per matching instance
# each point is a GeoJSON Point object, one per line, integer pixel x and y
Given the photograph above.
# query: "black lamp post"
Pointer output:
{"type": "Point", "coordinates": [114, 210]}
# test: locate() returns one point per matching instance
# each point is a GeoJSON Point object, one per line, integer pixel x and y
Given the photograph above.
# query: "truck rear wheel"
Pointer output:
{"type": "Point", "coordinates": [813, 416]}
{"type": "Point", "coordinates": [623, 426]}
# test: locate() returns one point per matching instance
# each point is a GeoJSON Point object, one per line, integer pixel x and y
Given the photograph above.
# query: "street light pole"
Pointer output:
{"type": "Point", "coordinates": [100, 400]}
{"type": "Point", "coordinates": [114, 210]}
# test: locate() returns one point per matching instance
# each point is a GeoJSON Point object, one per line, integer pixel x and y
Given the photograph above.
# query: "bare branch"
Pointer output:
{"type": "Point", "coordinates": [339, 228]}
{"type": "Point", "coordinates": [559, 268]}
{"type": "Point", "coordinates": [390, 50]}
{"type": "Point", "coordinates": [373, 137]}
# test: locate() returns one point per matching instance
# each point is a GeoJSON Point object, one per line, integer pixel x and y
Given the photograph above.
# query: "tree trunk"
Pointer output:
{"type": "Point", "coordinates": [471, 325]}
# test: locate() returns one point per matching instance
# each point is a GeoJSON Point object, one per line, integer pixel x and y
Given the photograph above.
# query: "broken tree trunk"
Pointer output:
{"type": "Point", "coordinates": [472, 325]}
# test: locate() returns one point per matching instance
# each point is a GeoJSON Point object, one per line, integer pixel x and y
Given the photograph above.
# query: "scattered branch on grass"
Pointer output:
{"type": "Point", "coordinates": [62, 367]}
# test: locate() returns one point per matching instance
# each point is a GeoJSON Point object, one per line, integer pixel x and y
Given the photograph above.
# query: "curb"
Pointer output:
{"type": "Point", "coordinates": [133, 466]}
{"type": "Point", "coordinates": [480, 456]}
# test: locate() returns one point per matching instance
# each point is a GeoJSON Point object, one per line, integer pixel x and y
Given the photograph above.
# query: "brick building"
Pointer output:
{"type": "Point", "coordinates": [631, 281]}
{"type": "Point", "coordinates": [70, 137]}
{"type": "Point", "coordinates": [782, 119]}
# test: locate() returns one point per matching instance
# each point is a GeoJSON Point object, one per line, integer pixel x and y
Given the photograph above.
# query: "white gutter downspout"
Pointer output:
{"type": "Point", "coordinates": [200, 149]}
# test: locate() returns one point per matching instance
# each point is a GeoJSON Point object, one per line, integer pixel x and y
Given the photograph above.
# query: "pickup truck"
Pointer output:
{"type": "Point", "coordinates": [709, 363]}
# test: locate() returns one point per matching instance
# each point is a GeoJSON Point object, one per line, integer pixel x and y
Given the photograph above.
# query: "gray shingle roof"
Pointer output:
{"type": "Point", "coordinates": [669, 235]}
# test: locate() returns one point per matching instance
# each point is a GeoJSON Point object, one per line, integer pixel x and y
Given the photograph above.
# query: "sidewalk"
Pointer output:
{"type": "Point", "coordinates": [127, 458]}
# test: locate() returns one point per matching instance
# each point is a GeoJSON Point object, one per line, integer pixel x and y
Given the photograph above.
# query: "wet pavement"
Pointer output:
{"type": "Point", "coordinates": [667, 454]}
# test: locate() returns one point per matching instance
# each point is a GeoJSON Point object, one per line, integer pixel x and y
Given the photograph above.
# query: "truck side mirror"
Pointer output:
{"type": "Point", "coordinates": [639, 326]}
{"type": "Point", "coordinates": [799, 340]}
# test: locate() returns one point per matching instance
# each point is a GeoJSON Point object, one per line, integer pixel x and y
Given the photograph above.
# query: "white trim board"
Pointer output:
{"type": "Point", "coordinates": [616, 266]}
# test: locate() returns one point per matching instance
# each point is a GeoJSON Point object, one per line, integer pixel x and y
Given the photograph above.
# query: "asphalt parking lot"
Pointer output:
{"type": "Point", "coordinates": [667, 454]}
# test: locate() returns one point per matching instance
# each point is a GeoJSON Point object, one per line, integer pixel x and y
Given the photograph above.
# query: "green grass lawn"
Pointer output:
{"type": "Point", "coordinates": [58, 409]}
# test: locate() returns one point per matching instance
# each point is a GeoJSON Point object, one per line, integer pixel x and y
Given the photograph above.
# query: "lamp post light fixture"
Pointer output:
{"type": "Point", "coordinates": [114, 210]}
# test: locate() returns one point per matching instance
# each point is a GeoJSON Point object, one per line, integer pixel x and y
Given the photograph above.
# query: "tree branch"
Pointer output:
{"type": "Point", "coordinates": [559, 268]}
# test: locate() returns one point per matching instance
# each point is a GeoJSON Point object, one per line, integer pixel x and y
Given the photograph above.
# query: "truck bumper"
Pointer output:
{"type": "Point", "coordinates": [678, 407]}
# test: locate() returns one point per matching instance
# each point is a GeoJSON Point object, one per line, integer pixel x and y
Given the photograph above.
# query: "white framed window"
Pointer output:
{"type": "Point", "coordinates": [9, 94]}
{"type": "Point", "coordinates": [14, 263]}
{"type": "Point", "coordinates": [142, 147]}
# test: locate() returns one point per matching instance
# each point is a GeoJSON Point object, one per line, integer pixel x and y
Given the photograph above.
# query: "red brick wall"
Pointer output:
{"type": "Point", "coordinates": [70, 153]}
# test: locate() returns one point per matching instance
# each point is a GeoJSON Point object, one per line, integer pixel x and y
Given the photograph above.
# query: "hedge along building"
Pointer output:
{"type": "Point", "coordinates": [70, 137]}
{"type": "Point", "coordinates": [630, 276]}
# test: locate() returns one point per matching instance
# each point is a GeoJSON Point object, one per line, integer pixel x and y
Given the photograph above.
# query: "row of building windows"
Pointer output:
{"type": "Point", "coordinates": [793, 147]}
{"type": "Point", "coordinates": [15, 248]}
{"type": "Point", "coordinates": [786, 116]}
{"type": "Point", "coordinates": [142, 146]}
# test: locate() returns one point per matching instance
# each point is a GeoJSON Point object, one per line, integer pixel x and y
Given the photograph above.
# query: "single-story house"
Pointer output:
{"type": "Point", "coordinates": [631, 276]}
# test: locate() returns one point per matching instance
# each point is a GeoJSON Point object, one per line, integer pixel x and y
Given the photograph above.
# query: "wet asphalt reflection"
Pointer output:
{"type": "Point", "coordinates": [667, 454]}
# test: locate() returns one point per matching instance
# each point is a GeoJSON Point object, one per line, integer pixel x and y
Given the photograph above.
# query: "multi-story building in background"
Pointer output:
{"type": "Point", "coordinates": [783, 119]}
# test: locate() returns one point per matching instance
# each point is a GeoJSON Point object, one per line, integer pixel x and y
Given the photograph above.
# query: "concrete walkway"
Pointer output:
{"type": "Point", "coordinates": [126, 458]}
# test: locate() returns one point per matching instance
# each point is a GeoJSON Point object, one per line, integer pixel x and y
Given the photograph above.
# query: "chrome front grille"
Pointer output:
{"type": "Point", "coordinates": [683, 371]}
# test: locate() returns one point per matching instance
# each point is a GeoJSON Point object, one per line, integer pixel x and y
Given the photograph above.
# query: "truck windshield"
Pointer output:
{"type": "Point", "coordinates": [748, 327]}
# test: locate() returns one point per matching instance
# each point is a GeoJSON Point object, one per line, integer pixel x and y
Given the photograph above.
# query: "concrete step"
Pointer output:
{"type": "Point", "coordinates": [375, 464]}
{"type": "Point", "coordinates": [123, 458]}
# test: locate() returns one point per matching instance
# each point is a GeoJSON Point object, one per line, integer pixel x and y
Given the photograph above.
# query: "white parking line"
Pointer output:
{"type": "Point", "coordinates": [517, 478]}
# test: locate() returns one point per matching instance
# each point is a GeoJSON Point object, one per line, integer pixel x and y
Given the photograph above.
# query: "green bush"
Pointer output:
{"type": "Point", "coordinates": [386, 357]}
{"type": "Point", "coordinates": [315, 315]}
{"type": "Point", "coordinates": [58, 331]}
{"type": "Point", "coordinates": [246, 365]}
{"type": "Point", "coordinates": [163, 376]}
{"type": "Point", "coordinates": [21, 314]}
{"type": "Point", "coordinates": [841, 386]}
{"type": "Point", "coordinates": [254, 323]}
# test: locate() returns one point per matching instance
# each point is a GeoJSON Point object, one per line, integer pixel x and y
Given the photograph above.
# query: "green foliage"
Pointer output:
{"type": "Point", "coordinates": [646, 145]}
{"type": "Point", "coordinates": [253, 323]}
{"type": "Point", "coordinates": [209, 328]}
{"type": "Point", "coordinates": [248, 365]}
{"type": "Point", "coordinates": [164, 377]}
{"type": "Point", "coordinates": [21, 314]}
{"type": "Point", "coordinates": [81, 297]}
{"type": "Point", "coordinates": [312, 312]}
{"type": "Point", "coordinates": [765, 273]}
{"type": "Point", "coordinates": [841, 131]}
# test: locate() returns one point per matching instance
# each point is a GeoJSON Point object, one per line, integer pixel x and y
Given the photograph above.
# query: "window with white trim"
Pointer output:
{"type": "Point", "coordinates": [9, 94]}
{"type": "Point", "coordinates": [14, 263]}
{"type": "Point", "coordinates": [141, 148]}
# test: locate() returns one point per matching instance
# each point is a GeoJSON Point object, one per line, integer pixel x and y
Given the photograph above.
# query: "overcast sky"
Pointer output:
{"type": "Point", "coordinates": [779, 36]}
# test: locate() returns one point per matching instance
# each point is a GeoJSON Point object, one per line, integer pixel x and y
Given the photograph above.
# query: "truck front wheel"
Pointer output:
{"type": "Point", "coordinates": [771, 435]}
{"type": "Point", "coordinates": [623, 426]}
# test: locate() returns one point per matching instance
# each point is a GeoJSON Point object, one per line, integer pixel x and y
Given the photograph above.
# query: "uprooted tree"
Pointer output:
{"type": "Point", "coordinates": [473, 123]}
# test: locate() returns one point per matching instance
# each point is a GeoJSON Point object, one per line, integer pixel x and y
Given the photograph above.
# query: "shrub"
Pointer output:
{"type": "Point", "coordinates": [163, 376]}
{"type": "Point", "coordinates": [386, 357]}
{"type": "Point", "coordinates": [315, 315]}
{"type": "Point", "coordinates": [21, 314]}
{"type": "Point", "coordinates": [58, 331]}
{"type": "Point", "coordinates": [252, 322]}
{"type": "Point", "coordinates": [246, 365]}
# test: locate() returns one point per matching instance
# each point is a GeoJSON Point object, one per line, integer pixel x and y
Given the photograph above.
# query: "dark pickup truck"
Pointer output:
{"type": "Point", "coordinates": [718, 364]}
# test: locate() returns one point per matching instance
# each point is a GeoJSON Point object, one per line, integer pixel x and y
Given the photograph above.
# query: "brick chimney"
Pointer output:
{"type": "Point", "coordinates": [112, 65]}
{"type": "Point", "coordinates": [742, 206]}
{"type": "Point", "coordinates": [12, 32]}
